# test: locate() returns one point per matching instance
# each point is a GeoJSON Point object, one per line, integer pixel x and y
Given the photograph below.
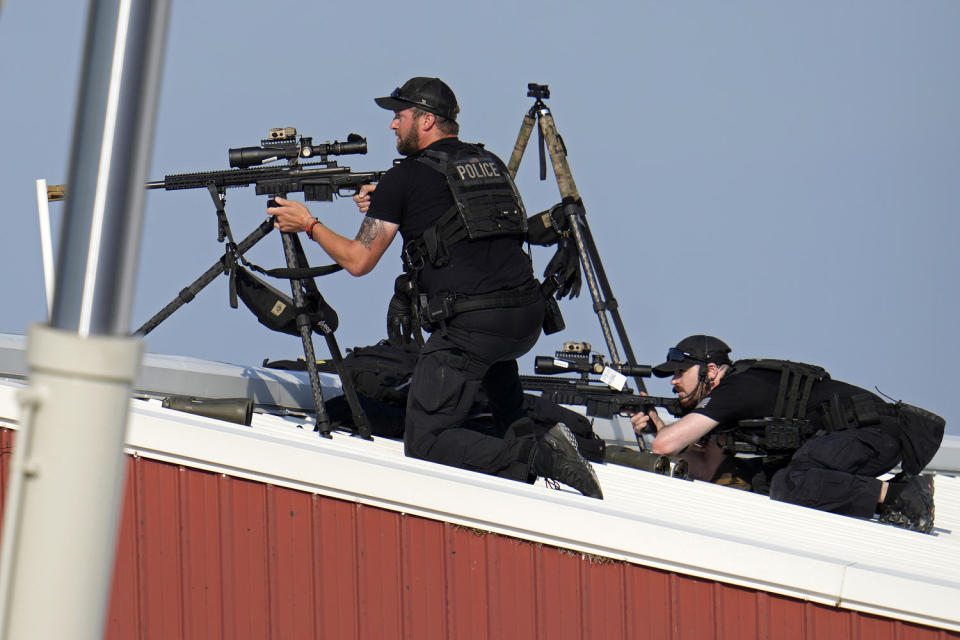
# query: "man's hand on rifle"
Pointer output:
{"type": "Point", "coordinates": [362, 197]}
{"type": "Point", "coordinates": [645, 419]}
{"type": "Point", "coordinates": [290, 216]}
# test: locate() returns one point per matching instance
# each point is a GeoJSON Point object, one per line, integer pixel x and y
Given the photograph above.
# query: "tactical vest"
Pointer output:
{"type": "Point", "coordinates": [486, 204]}
{"type": "Point", "coordinates": [789, 426]}
{"type": "Point", "coordinates": [919, 432]}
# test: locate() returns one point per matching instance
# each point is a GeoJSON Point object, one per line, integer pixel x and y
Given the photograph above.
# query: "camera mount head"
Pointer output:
{"type": "Point", "coordinates": [538, 91]}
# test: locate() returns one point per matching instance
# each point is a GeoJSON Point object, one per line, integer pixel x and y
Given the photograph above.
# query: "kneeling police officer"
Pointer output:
{"type": "Point", "coordinates": [822, 443]}
{"type": "Point", "coordinates": [463, 224]}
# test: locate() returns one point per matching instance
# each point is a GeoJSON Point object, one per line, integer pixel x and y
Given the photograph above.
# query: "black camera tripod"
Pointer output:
{"type": "Point", "coordinates": [300, 281]}
{"type": "Point", "coordinates": [575, 214]}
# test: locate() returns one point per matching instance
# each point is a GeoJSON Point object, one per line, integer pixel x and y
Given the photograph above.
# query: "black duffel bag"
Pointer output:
{"type": "Point", "coordinates": [921, 433]}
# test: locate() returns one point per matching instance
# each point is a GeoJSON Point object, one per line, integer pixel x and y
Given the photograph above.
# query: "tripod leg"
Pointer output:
{"type": "Point", "coordinates": [571, 198]}
{"type": "Point", "coordinates": [558, 156]}
{"type": "Point", "coordinates": [521, 145]}
{"type": "Point", "coordinates": [612, 304]}
{"type": "Point", "coordinates": [590, 275]}
{"type": "Point", "coordinates": [189, 292]}
{"type": "Point", "coordinates": [306, 336]}
{"type": "Point", "coordinates": [360, 423]}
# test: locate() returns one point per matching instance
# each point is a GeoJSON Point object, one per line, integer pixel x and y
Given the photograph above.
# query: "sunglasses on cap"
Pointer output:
{"type": "Point", "coordinates": [678, 355]}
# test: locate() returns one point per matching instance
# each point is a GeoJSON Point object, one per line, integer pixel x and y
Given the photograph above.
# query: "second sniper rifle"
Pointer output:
{"type": "Point", "coordinates": [601, 400]}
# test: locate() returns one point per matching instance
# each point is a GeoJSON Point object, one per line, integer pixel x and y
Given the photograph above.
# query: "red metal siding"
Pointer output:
{"type": "Point", "coordinates": [207, 556]}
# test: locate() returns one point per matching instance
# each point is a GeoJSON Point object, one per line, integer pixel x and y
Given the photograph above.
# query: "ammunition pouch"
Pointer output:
{"type": "Point", "coordinates": [552, 316]}
{"type": "Point", "coordinates": [766, 436]}
{"type": "Point", "coordinates": [862, 410]}
{"type": "Point", "coordinates": [403, 318]}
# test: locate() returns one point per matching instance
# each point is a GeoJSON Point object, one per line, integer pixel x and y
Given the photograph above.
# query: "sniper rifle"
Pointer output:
{"type": "Point", "coordinates": [599, 399]}
{"type": "Point", "coordinates": [603, 399]}
{"type": "Point", "coordinates": [318, 181]}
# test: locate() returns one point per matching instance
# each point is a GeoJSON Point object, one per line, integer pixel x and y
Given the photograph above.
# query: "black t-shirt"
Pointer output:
{"type": "Point", "coordinates": [752, 394]}
{"type": "Point", "coordinates": [414, 195]}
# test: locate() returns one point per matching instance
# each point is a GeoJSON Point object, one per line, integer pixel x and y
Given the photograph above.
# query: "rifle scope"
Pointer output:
{"type": "Point", "coordinates": [548, 365]}
{"type": "Point", "coordinates": [272, 150]}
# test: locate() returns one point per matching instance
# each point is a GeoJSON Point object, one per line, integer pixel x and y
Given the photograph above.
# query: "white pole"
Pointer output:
{"type": "Point", "coordinates": [66, 485]}
{"type": "Point", "coordinates": [60, 529]}
{"type": "Point", "coordinates": [46, 243]}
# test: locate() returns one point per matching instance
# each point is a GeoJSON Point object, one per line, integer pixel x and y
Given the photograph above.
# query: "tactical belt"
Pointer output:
{"type": "Point", "coordinates": [861, 410]}
{"type": "Point", "coordinates": [439, 308]}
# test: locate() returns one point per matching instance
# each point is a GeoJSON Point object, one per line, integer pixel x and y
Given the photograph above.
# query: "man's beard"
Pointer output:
{"type": "Point", "coordinates": [688, 400]}
{"type": "Point", "coordinates": [410, 143]}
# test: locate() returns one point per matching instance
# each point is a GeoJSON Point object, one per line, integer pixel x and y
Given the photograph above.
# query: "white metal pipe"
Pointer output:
{"type": "Point", "coordinates": [46, 244]}
{"type": "Point", "coordinates": [68, 485]}
{"type": "Point", "coordinates": [113, 134]}
{"type": "Point", "coordinates": [58, 545]}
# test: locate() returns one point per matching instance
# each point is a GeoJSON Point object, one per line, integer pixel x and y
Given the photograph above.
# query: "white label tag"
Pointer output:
{"type": "Point", "coordinates": [614, 379]}
{"type": "Point", "coordinates": [563, 364]}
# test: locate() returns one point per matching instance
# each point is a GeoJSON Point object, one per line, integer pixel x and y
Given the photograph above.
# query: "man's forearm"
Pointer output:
{"type": "Point", "coordinates": [675, 437]}
{"type": "Point", "coordinates": [360, 255]}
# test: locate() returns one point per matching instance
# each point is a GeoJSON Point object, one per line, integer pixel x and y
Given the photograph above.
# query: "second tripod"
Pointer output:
{"type": "Point", "coordinates": [575, 215]}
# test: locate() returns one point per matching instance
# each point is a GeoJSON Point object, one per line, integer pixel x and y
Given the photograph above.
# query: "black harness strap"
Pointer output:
{"type": "Point", "coordinates": [781, 393]}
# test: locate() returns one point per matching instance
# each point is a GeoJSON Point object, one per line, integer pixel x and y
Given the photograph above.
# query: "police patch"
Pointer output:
{"type": "Point", "coordinates": [476, 169]}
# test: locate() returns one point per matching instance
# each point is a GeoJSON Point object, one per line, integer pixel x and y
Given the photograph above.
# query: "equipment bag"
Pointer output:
{"type": "Point", "coordinates": [381, 374]}
{"type": "Point", "coordinates": [921, 433]}
{"type": "Point", "coordinates": [275, 310]}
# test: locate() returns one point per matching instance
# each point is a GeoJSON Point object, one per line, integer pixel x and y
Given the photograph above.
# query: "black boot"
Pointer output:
{"type": "Point", "coordinates": [909, 504]}
{"type": "Point", "coordinates": [557, 458]}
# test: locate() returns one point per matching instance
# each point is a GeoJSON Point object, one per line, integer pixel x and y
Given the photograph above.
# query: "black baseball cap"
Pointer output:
{"type": "Point", "coordinates": [429, 94]}
{"type": "Point", "coordinates": [698, 349]}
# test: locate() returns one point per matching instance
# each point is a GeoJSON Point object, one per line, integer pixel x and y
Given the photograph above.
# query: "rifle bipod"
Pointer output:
{"type": "Point", "coordinates": [305, 325]}
{"type": "Point", "coordinates": [574, 212]}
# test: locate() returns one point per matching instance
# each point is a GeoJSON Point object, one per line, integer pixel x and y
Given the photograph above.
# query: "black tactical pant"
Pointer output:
{"type": "Point", "coordinates": [837, 472]}
{"type": "Point", "coordinates": [478, 348]}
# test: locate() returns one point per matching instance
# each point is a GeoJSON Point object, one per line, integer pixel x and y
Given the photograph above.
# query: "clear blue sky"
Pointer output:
{"type": "Point", "coordinates": [781, 175]}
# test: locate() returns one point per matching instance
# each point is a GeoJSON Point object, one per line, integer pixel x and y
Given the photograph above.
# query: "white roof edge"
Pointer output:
{"type": "Point", "coordinates": [646, 519]}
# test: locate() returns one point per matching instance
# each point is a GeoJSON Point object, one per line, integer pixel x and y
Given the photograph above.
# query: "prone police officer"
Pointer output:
{"type": "Point", "coordinates": [822, 443]}
{"type": "Point", "coordinates": [463, 224]}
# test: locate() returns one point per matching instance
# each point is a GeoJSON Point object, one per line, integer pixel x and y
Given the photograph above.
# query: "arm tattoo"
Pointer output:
{"type": "Point", "coordinates": [370, 228]}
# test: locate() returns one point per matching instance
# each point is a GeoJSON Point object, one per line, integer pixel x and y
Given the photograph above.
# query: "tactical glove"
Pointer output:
{"type": "Point", "coordinates": [403, 326]}
{"type": "Point", "coordinates": [565, 266]}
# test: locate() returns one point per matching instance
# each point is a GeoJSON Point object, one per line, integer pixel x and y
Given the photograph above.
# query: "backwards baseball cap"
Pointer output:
{"type": "Point", "coordinates": [693, 350]}
{"type": "Point", "coordinates": [429, 94]}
